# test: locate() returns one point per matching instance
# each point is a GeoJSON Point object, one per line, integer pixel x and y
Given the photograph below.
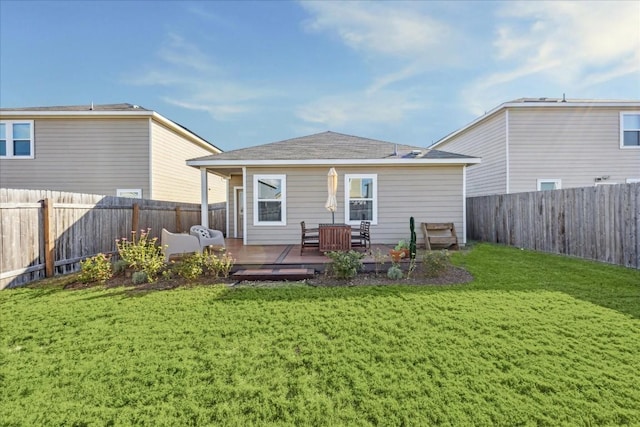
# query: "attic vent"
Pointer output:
{"type": "Point", "coordinates": [416, 152]}
{"type": "Point", "coordinates": [135, 106]}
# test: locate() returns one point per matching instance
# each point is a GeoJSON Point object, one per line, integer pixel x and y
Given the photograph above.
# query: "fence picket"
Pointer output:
{"type": "Point", "coordinates": [600, 223]}
{"type": "Point", "coordinates": [81, 225]}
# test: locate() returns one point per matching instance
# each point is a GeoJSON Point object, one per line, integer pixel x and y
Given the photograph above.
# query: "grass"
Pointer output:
{"type": "Point", "coordinates": [536, 339]}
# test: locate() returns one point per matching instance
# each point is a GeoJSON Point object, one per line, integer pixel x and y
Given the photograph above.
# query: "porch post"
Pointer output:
{"type": "Point", "coordinates": [204, 197]}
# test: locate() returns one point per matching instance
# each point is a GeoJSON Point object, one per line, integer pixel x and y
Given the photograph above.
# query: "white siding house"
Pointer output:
{"type": "Point", "coordinates": [273, 187]}
{"type": "Point", "coordinates": [539, 144]}
{"type": "Point", "coordinates": [116, 149]}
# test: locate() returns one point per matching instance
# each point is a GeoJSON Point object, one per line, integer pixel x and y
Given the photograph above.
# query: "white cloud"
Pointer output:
{"type": "Point", "coordinates": [399, 40]}
{"type": "Point", "coordinates": [561, 46]}
{"type": "Point", "coordinates": [393, 29]}
{"type": "Point", "coordinates": [193, 81]}
{"type": "Point", "coordinates": [356, 108]}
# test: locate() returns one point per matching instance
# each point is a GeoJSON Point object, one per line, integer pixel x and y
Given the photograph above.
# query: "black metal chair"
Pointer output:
{"type": "Point", "coordinates": [361, 237]}
{"type": "Point", "coordinates": [310, 238]}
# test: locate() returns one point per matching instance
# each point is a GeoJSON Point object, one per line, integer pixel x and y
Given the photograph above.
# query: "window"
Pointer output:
{"type": "Point", "coordinates": [132, 193]}
{"type": "Point", "coordinates": [269, 200]}
{"type": "Point", "coordinates": [548, 184]}
{"type": "Point", "coordinates": [16, 139]}
{"type": "Point", "coordinates": [361, 198]}
{"type": "Point", "coordinates": [630, 130]}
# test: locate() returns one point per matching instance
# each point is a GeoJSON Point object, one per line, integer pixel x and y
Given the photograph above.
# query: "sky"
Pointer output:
{"type": "Point", "coordinates": [245, 73]}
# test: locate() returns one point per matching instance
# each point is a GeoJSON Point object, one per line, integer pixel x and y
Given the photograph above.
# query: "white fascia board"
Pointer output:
{"type": "Point", "coordinates": [325, 162]}
{"type": "Point", "coordinates": [568, 104]}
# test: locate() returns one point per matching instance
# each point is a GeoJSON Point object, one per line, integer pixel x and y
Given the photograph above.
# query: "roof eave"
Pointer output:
{"type": "Point", "coordinates": [324, 162]}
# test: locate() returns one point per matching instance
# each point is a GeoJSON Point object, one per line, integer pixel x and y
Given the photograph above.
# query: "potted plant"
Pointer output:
{"type": "Point", "coordinates": [400, 251]}
{"type": "Point", "coordinates": [404, 247]}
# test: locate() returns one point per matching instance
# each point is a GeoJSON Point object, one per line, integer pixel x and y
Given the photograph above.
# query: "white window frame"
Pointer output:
{"type": "Point", "coordinates": [347, 178]}
{"type": "Point", "coordinates": [556, 181]}
{"type": "Point", "coordinates": [132, 193]}
{"type": "Point", "coordinates": [9, 135]}
{"type": "Point", "coordinates": [622, 129]}
{"type": "Point", "coordinates": [282, 200]}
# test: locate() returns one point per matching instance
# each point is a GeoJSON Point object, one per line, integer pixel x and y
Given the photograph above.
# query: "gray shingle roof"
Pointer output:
{"type": "Point", "coordinates": [102, 107]}
{"type": "Point", "coordinates": [330, 145]}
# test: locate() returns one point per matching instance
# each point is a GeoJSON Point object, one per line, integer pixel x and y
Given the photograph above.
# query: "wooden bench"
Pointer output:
{"type": "Point", "coordinates": [439, 234]}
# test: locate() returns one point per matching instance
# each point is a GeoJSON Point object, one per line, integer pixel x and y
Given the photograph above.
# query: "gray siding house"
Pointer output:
{"type": "Point", "coordinates": [113, 150]}
{"type": "Point", "coordinates": [273, 187]}
{"type": "Point", "coordinates": [542, 143]}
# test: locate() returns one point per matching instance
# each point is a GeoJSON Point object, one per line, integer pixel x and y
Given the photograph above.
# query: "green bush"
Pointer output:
{"type": "Point", "coordinates": [119, 266]}
{"type": "Point", "coordinates": [141, 253]}
{"type": "Point", "coordinates": [218, 265]}
{"type": "Point", "coordinates": [190, 267]}
{"type": "Point", "coordinates": [344, 265]}
{"type": "Point", "coordinates": [394, 272]}
{"type": "Point", "coordinates": [139, 277]}
{"type": "Point", "coordinates": [95, 269]}
{"type": "Point", "coordinates": [434, 263]}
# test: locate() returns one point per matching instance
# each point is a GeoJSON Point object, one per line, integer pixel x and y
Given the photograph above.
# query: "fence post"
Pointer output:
{"type": "Point", "coordinates": [135, 217]}
{"type": "Point", "coordinates": [178, 220]}
{"type": "Point", "coordinates": [49, 244]}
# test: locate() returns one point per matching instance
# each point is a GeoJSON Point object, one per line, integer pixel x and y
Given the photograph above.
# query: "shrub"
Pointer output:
{"type": "Point", "coordinates": [434, 263]}
{"type": "Point", "coordinates": [190, 267]}
{"type": "Point", "coordinates": [120, 266]}
{"type": "Point", "coordinates": [218, 265]}
{"type": "Point", "coordinates": [394, 272]}
{"type": "Point", "coordinates": [141, 253]}
{"type": "Point", "coordinates": [95, 269]}
{"type": "Point", "coordinates": [345, 265]}
{"type": "Point", "coordinates": [139, 277]}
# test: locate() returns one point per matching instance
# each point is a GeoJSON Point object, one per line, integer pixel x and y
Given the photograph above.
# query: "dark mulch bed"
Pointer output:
{"type": "Point", "coordinates": [452, 276]}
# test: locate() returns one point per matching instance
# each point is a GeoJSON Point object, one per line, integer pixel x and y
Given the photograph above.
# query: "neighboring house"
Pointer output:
{"type": "Point", "coordinates": [541, 144]}
{"type": "Point", "coordinates": [273, 187]}
{"type": "Point", "coordinates": [114, 150]}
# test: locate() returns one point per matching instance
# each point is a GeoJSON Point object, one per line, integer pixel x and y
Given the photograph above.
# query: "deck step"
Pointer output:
{"type": "Point", "coordinates": [274, 274]}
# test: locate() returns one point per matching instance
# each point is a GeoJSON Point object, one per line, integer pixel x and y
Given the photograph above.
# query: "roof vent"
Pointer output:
{"type": "Point", "coordinates": [416, 152]}
{"type": "Point", "coordinates": [135, 106]}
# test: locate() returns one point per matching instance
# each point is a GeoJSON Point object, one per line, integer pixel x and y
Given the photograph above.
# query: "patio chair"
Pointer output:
{"type": "Point", "coordinates": [310, 237]}
{"type": "Point", "coordinates": [361, 236]}
{"type": "Point", "coordinates": [178, 243]}
{"type": "Point", "coordinates": [207, 237]}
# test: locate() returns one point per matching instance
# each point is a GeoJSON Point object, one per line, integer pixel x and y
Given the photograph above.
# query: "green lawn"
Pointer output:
{"type": "Point", "coordinates": [536, 339]}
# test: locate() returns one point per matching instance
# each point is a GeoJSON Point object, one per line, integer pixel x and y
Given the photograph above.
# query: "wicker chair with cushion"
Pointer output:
{"type": "Point", "coordinates": [207, 237]}
{"type": "Point", "coordinates": [310, 238]}
{"type": "Point", "coordinates": [178, 243]}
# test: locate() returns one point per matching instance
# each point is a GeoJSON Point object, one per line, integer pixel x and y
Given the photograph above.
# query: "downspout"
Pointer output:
{"type": "Point", "coordinates": [204, 198]}
{"type": "Point", "coordinates": [464, 205]}
{"type": "Point", "coordinates": [150, 196]}
{"type": "Point", "coordinates": [507, 151]}
{"type": "Point", "coordinates": [226, 184]}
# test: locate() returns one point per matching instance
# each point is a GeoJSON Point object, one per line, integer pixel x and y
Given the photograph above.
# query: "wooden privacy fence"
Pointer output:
{"type": "Point", "coordinates": [44, 233]}
{"type": "Point", "coordinates": [600, 223]}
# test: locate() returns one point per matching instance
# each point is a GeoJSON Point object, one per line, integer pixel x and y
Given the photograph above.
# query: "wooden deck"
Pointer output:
{"type": "Point", "coordinates": [276, 257]}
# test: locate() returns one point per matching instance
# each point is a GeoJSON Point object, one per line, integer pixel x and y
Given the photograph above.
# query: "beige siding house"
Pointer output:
{"type": "Point", "coordinates": [117, 149]}
{"type": "Point", "coordinates": [273, 187]}
{"type": "Point", "coordinates": [539, 144]}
